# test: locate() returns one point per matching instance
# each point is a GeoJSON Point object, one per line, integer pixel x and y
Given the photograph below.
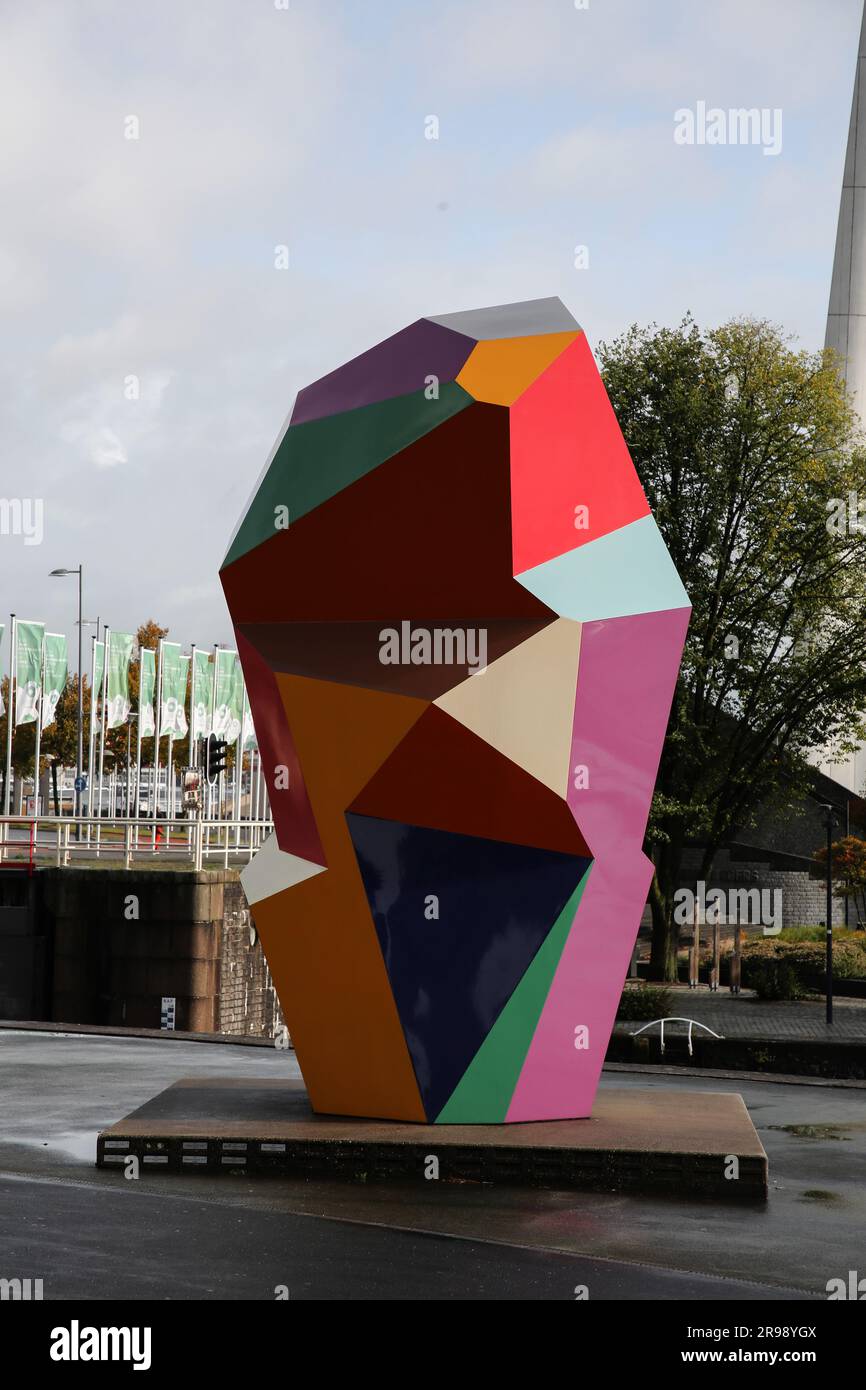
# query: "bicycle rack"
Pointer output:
{"type": "Point", "coordinates": [692, 1022]}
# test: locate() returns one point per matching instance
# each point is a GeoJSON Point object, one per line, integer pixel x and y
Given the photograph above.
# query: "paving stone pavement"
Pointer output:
{"type": "Point", "coordinates": [746, 1016]}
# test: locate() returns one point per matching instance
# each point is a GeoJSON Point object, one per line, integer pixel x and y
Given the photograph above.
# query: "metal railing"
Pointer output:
{"type": "Point", "coordinates": [27, 841]}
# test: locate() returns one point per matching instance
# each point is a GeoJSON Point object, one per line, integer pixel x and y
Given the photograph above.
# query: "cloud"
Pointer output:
{"type": "Point", "coordinates": [153, 259]}
{"type": "Point", "coordinates": [96, 444]}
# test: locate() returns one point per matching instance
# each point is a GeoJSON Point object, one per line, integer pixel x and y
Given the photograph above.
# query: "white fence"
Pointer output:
{"type": "Point", "coordinates": [28, 841]}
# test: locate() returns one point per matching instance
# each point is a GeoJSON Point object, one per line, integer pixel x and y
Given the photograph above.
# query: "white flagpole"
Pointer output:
{"type": "Point", "coordinates": [10, 721]}
{"type": "Point", "coordinates": [105, 652]}
{"type": "Point", "coordinates": [239, 804]}
{"type": "Point", "coordinates": [259, 778]}
{"type": "Point", "coordinates": [237, 769]}
{"type": "Point", "coordinates": [157, 716]}
{"type": "Point", "coordinates": [193, 760]}
{"type": "Point", "coordinates": [38, 751]}
{"type": "Point", "coordinates": [138, 749]}
{"type": "Point", "coordinates": [216, 660]}
{"type": "Point", "coordinates": [92, 733]}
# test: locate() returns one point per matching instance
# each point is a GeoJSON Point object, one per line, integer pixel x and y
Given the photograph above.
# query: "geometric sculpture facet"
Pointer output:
{"type": "Point", "coordinates": [461, 632]}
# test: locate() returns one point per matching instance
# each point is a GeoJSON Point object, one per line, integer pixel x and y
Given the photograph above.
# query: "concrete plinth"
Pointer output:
{"type": "Point", "coordinates": [637, 1141]}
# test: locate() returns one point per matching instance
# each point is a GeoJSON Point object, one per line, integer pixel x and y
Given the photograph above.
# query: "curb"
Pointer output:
{"type": "Point", "coordinates": [111, 1031]}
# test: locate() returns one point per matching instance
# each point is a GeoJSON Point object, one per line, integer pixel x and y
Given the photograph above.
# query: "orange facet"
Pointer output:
{"type": "Point", "coordinates": [499, 370]}
{"type": "Point", "coordinates": [319, 935]}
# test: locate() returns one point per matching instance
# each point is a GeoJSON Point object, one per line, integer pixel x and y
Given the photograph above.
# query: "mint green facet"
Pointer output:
{"type": "Point", "coordinates": [627, 571]}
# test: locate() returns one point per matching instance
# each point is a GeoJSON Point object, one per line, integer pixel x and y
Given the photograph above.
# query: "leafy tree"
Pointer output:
{"type": "Point", "coordinates": [59, 746]}
{"type": "Point", "coordinates": [747, 450]}
{"type": "Point", "coordinates": [849, 870]}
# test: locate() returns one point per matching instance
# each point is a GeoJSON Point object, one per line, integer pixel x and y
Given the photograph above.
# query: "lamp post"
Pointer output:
{"type": "Point", "coordinates": [57, 574]}
{"type": "Point", "coordinates": [829, 822]}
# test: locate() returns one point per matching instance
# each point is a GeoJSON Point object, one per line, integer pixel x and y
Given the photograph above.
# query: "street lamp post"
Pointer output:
{"type": "Point", "coordinates": [56, 574]}
{"type": "Point", "coordinates": [829, 822]}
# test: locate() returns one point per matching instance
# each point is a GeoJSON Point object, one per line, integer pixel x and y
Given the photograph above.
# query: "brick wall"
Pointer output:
{"type": "Point", "coordinates": [248, 1001]}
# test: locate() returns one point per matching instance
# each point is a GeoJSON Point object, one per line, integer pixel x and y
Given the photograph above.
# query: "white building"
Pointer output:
{"type": "Point", "coordinates": [846, 317]}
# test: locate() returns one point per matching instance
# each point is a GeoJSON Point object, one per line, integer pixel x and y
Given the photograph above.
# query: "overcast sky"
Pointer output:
{"type": "Point", "coordinates": [305, 127]}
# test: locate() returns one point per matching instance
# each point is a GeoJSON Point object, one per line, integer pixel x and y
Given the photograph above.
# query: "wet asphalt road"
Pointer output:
{"type": "Point", "coordinates": [92, 1234]}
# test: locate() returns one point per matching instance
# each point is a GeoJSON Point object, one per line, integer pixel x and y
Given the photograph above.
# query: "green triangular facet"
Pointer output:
{"type": "Point", "coordinates": [316, 460]}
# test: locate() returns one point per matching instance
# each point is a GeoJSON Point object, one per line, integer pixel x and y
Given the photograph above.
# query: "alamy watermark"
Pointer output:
{"type": "Point", "coordinates": [437, 646]}
{"type": "Point", "coordinates": [846, 516]}
{"type": "Point", "coordinates": [853, 1288]}
{"type": "Point", "coordinates": [753, 907]}
{"type": "Point", "coordinates": [738, 126]}
{"type": "Point", "coordinates": [20, 1290]}
{"type": "Point", "coordinates": [22, 516]}
{"type": "Point", "coordinates": [77, 1343]}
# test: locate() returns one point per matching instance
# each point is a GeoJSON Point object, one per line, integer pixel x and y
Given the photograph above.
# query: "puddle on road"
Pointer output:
{"type": "Point", "coordinates": [80, 1146]}
{"type": "Point", "coordinates": [73, 1144]}
{"type": "Point", "coordinates": [815, 1131]}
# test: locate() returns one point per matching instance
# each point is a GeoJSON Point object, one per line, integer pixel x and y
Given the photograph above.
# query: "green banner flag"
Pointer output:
{"type": "Point", "coordinates": [184, 685]}
{"type": "Point", "coordinates": [56, 673]}
{"type": "Point", "coordinates": [229, 697]}
{"type": "Point", "coordinates": [28, 670]}
{"type": "Point", "coordinates": [203, 712]}
{"type": "Point", "coordinates": [175, 669]}
{"type": "Point", "coordinates": [98, 668]}
{"type": "Point", "coordinates": [146, 687]}
{"type": "Point", "coordinates": [248, 736]}
{"type": "Point", "coordinates": [120, 645]}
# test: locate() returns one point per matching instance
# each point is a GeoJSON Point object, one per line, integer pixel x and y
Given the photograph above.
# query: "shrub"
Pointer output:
{"type": "Point", "coordinates": [792, 969]}
{"type": "Point", "coordinates": [642, 1003]}
{"type": "Point", "coordinates": [769, 970]}
{"type": "Point", "coordinates": [817, 934]}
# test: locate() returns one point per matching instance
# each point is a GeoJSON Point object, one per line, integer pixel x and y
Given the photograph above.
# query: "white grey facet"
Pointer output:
{"type": "Point", "coordinates": [846, 317]}
{"type": "Point", "coordinates": [261, 478]}
{"type": "Point", "coordinates": [510, 320]}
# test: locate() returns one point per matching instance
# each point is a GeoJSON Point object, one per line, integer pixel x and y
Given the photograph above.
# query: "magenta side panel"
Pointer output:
{"type": "Point", "coordinates": [626, 680]}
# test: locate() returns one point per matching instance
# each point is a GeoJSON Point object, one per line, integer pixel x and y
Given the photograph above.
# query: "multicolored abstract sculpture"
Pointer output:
{"type": "Point", "coordinates": [461, 631]}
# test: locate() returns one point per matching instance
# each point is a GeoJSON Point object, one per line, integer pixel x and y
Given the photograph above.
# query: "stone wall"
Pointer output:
{"type": "Point", "coordinates": [105, 945]}
{"type": "Point", "coordinates": [804, 899]}
{"type": "Point", "coordinates": [22, 948]}
{"type": "Point", "coordinates": [248, 1000]}
{"type": "Point", "coordinates": [123, 939]}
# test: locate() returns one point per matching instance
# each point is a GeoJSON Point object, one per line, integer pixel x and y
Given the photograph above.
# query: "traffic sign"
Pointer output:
{"type": "Point", "coordinates": [80, 783]}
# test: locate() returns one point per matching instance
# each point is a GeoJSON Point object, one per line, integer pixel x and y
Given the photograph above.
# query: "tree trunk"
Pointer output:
{"type": "Point", "coordinates": [663, 952]}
